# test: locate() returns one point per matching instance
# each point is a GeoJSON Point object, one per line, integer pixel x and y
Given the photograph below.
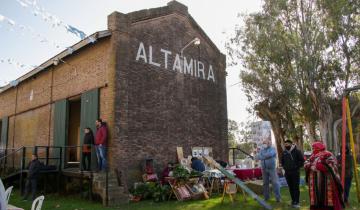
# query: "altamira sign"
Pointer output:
{"type": "Point", "coordinates": [180, 64]}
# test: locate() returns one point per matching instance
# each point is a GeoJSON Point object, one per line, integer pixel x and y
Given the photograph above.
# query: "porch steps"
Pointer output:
{"type": "Point", "coordinates": [116, 193]}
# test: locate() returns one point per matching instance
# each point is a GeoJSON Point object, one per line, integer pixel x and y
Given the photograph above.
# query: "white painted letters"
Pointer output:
{"type": "Point", "coordinates": [188, 67]}
{"type": "Point", "coordinates": [141, 53]}
{"type": "Point", "coordinates": [195, 69]}
{"type": "Point", "coordinates": [211, 74]}
{"type": "Point", "coordinates": [166, 53]}
{"type": "Point", "coordinates": [183, 65]}
{"type": "Point", "coordinates": [200, 69]}
{"type": "Point", "coordinates": [151, 58]}
{"type": "Point", "coordinates": [177, 63]}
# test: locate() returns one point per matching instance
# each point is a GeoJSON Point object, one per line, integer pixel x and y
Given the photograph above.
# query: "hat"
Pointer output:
{"type": "Point", "coordinates": [288, 141]}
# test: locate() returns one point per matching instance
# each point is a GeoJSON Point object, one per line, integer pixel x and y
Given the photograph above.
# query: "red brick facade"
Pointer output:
{"type": "Point", "coordinates": [31, 117]}
{"type": "Point", "coordinates": [151, 97]}
{"type": "Point", "coordinates": [159, 107]}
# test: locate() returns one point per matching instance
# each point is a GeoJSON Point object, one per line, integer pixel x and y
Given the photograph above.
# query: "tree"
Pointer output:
{"type": "Point", "coordinates": [233, 131]}
{"type": "Point", "coordinates": [342, 20]}
{"type": "Point", "coordinates": [290, 71]}
{"type": "Point", "coordinates": [245, 132]}
{"type": "Point", "coordinates": [247, 147]}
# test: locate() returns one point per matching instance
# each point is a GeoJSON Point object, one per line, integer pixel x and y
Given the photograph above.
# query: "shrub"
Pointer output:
{"type": "Point", "coordinates": [181, 173]}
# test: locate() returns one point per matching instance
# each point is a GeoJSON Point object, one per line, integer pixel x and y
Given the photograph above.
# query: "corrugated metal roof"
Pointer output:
{"type": "Point", "coordinates": [67, 52]}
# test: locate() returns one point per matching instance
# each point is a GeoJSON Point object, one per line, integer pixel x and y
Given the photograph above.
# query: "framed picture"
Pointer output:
{"type": "Point", "coordinates": [200, 151]}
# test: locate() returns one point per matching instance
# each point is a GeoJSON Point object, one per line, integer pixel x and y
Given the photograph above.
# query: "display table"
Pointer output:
{"type": "Point", "coordinates": [189, 189]}
{"type": "Point", "coordinates": [11, 207]}
{"type": "Point", "coordinates": [246, 174]}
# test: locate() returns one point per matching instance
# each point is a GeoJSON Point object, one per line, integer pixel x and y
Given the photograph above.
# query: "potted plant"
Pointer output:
{"type": "Point", "coordinates": [181, 173]}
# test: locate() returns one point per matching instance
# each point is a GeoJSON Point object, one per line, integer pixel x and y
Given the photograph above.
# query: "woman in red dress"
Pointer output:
{"type": "Point", "coordinates": [323, 179]}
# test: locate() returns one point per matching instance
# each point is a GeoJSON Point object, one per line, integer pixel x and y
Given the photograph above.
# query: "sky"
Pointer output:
{"type": "Point", "coordinates": [31, 34]}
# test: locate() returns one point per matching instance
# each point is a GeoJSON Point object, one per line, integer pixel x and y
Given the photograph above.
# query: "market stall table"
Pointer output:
{"type": "Point", "coordinates": [213, 180]}
{"type": "Point", "coordinates": [189, 189]}
{"type": "Point", "coordinates": [246, 174]}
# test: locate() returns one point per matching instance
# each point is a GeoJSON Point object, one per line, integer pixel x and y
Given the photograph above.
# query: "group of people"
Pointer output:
{"type": "Point", "coordinates": [100, 143]}
{"type": "Point", "coordinates": [322, 177]}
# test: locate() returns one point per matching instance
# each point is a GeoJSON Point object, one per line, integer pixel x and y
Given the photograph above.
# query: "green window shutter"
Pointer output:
{"type": "Point", "coordinates": [4, 133]}
{"type": "Point", "coordinates": [89, 114]}
{"type": "Point", "coordinates": [61, 120]}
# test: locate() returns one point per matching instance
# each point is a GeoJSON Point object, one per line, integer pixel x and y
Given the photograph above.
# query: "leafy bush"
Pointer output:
{"type": "Point", "coordinates": [161, 193]}
{"type": "Point", "coordinates": [151, 190]}
{"type": "Point", "coordinates": [181, 173]}
{"type": "Point", "coordinates": [195, 173]}
{"type": "Point", "coordinates": [141, 190]}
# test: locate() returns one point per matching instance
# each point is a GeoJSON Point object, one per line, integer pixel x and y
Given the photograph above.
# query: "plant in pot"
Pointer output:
{"type": "Point", "coordinates": [139, 192]}
{"type": "Point", "coordinates": [181, 173]}
{"type": "Point", "coordinates": [161, 193]}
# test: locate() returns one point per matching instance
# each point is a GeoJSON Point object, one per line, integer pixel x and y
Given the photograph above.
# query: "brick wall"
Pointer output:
{"type": "Point", "coordinates": [7, 102]}
{"type": "Point", "coordinates": [158, 109]}
{"type": "Point", "coordinates": [84, 70]}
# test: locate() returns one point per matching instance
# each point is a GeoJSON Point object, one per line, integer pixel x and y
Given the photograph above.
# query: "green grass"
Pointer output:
{"type": "Point", "coordinates": [73, 202]}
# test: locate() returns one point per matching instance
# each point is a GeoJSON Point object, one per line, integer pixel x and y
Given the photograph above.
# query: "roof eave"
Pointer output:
{"type": "Point", "coordinates": [81, 44]}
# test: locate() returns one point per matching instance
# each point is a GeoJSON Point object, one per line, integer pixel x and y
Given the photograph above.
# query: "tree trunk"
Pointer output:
{"type": "Point", "coordinates": [326, 126]}
{"type": "Point", "coordinates": [279, 136]}
{"type": "Point", "coordinates": [265, 113]}
{"type": "Point", "coordinates": [299, 139]}
{"type": "Point", "coordinates": [310, 128]}
{"type": "Point", "coordinates": [336, 137]}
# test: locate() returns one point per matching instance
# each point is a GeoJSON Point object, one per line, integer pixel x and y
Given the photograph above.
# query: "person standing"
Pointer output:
{"type": "Point", "coordinates": [33, 174]}
{"type": "Point", "coordinates": [322, 176]}
{"type": "Point", "coordinates": [197, 164]}
{"type": "Point", "coordinates": [86, 152]}
{"type": "Point", "coordinates": [292, 160]}
{"type": "Point", "coordinates": [100, 143]}
{"type": "Point", "coordinates": [267, 156]}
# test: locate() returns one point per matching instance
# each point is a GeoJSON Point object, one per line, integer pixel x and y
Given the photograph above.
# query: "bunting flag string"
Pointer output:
{"type": "Point", "coordinates": [20, 67]}
{"type": "Point", "coordinates": [25, 29]}
{"type": "Point", "coordinates": [39, 11]}
{"type": "Point", "coordinates": [15, 63]}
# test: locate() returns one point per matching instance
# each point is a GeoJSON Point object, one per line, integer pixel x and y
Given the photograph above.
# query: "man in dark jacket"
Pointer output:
{"type": "Point", "coordinates": [197, 164]}
{"type": "Point", "coordinates": [292, 160]}
{"type": "Point", "coordinates": [100, 143]}
{"type": "Point", "coordinates": [33, 174]}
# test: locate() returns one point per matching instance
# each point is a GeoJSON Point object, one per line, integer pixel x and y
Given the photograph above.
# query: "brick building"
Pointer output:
{"type": "Point", "coordinates": [137, 76]}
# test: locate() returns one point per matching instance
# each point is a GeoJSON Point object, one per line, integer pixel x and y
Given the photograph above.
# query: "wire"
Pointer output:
{"type": "Point", "coordinates": [234, 84]}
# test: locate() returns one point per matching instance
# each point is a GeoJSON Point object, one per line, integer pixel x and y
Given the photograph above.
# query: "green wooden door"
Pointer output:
{"type": "Point", "coordinates": [61, 120]}
{"type": "Point", "coordinates": [89, 114]}
{"type": "Point", "coordinates": [4, 133]}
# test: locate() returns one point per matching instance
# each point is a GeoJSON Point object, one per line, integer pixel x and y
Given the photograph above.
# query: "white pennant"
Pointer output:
{"type": "Point", "coordinates": [48, 17]}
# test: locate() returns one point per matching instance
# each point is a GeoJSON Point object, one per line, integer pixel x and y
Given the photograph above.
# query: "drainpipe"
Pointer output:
{"type": "Point", "coordinates": [51, 102]}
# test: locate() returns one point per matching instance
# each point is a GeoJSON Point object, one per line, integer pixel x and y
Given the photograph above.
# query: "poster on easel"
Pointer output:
{"type": "Point", "coordinates": [201, 151]}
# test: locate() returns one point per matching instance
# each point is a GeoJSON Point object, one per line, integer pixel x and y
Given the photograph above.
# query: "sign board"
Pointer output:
{"type": "Point", "coordinates": [260, 131]}
{"type": "Point", "coordinates": [174, 62]}
{"type": "Point", "coordinates": [201, 151]}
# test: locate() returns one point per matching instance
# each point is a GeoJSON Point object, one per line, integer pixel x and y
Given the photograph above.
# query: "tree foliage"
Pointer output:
{"type": "Point", "coordinates": [233, 131]}
{"type": "Point", "coordinates": [297, 58]}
